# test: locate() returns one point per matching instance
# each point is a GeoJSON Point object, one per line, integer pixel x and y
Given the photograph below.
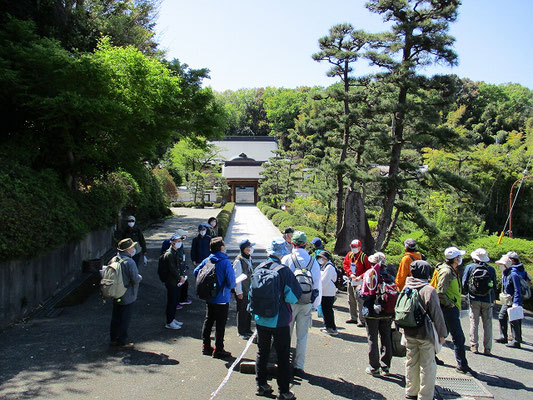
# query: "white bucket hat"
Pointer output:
{"type": "Point", "coordinates": [452, 252]}
{"type": "Point", "coordinates": [505, 260]}
{"type": "Point", "coordinates": [376, 257]}
{"type": "Point", "coordinates": [480, 255]}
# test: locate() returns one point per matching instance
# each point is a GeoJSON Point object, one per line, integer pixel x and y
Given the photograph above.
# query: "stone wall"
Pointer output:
{"type": "Point", "coordinates": [24, 284]}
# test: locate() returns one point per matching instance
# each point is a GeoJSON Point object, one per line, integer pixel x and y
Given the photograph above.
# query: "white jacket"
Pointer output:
{"type": "Point", "coordinates": [329, 277]}
{"type": "Point", "coordinates": [303, 259]}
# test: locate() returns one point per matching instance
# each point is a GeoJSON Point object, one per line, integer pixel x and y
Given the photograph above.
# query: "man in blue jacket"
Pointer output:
{"type": "Point", "coordinates": [277, 327]}
{"type": "Point", "coordinates": [217, 308]}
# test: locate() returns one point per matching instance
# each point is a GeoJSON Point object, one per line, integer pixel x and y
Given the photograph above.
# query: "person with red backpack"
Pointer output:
{"type": "Point", "coordinates": [479, 284]}
{"type": "Point", "coordinates": [377, 315]}
{"type": "Point", "coordinates": [355, 264]}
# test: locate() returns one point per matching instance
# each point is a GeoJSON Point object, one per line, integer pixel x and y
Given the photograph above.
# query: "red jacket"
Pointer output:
{"type": "Point", "coordinates": [361, 263]}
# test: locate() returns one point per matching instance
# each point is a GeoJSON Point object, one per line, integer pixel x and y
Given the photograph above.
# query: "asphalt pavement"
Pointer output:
{"type": "Point", "coordinates": [68, 357]}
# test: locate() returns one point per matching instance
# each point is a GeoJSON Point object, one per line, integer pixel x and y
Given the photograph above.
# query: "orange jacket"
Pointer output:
{"type": "Point", "coordinates": [361, 263]}
{"type": "Point", "coordinates": [403, 270]}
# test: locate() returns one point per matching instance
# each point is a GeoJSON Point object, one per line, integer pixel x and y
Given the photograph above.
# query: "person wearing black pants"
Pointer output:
{"type": "Point", "coordinates": [215, 314]}
{"type": "Point", "coordinates": [120, 321]}
{"type": "Point", "coordinates": [282, 340]}
{"type": "Point", "coordinates": [175, 277]}
{"type": "Point", "coordinates": [173, 296]}
{"type": "Point", "coordinates": [328, 276]}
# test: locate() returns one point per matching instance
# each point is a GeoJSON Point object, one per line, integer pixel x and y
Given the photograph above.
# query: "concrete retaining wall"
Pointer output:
{"type": "Point", "coordinates": [24, 284]}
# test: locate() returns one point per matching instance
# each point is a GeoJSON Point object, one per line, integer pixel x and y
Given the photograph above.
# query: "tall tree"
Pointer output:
{"type": "Point", "coordinates": [418, 37]}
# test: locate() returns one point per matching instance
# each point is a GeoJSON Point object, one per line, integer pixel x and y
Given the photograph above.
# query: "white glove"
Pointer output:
{"type": "Point", "coordinates": [145, 261]}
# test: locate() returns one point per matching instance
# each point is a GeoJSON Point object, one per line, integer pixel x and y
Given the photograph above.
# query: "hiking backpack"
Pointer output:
{"type": "Point", "coordinates": [162, 268]}
{"type": "Point", "coordinates": [408, 311]}
{"type": "Point", "coordinates": [525, 287]}
{"type": "Point", "coordinates": [112, 283]}
{"type": "Point", "coordinates": [206, 281]}
{"type": "Point", "coordinates": [479, 281]}
{"type": "Point", "coordinates": [305, 279]}
{"type": "Point", "coordinates": [388, 296]}
{"type": "Point", "coordinates": [265, 290]}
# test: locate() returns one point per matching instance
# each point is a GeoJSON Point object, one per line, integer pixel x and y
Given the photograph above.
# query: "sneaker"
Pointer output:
{"type": "Point", "coordinates": [173, 325]}
{"type": "Point", "coordinates": [264, 390]}
{"type": "Point", "coordinates": [207, 350]}
{"type": "Point", "coordinates": [329, 331]}
{"type": "Point", "coordinates": [125, 346]}
{"type": "Point", "coordinates": [287, 396]}
{"type": "Point", "coordinates": [385, 371]}
{"type": "Point", "coordinates": [245, 337]}
{"type": "Point", "coordinates": [474, 350]}
{"type": "Point", "coordinates": [361, 325]}
{"type": "Point", "coordinates": [371, 371]}
{"type": "Point", "coordinates": [351, 321]}
{"type": "Point", "coordinates": [502, 340]}
{"type": "Point", "coordinates": [413, 397]}
{"type": "Point", "coordinates": [180, 323]}
{"type": "Point", "coordinates": [186, 302]}
{"type": "Point", "coordinates": [487, 353]}
{"type": "Point", "coordinates": [298, 372]}
{"type": "Point", "coordinates": [179, 307]}
{"type": "Point", "coordinates": [439, 361]}
{"type": "Point", "coordinates": [223, 354]}
{"type": "Point", "coordinates": [513, 345]}
{"type": "Point", "coordinates": [466, 371]}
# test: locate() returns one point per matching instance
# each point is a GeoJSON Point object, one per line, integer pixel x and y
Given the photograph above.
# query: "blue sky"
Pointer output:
{"type": "Point", "coordinates": [259, 43]}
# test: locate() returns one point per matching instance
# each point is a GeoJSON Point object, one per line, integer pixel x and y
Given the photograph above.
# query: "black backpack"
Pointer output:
{"type": "Point", "coordinates": [206, 281]}
{"type": "Point", "coordinates": [265, 290]}
{"type": "Point", "coordinates": [162, 268]}
{"type": "Point", "coordinates": [479, 281]}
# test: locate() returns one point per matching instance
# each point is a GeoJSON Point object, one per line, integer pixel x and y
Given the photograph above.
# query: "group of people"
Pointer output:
{"type": "Point", "coordinates": [306, 281]}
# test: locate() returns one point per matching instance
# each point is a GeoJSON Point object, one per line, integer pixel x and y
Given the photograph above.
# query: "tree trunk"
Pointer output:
{"type": "Point", "coordinates": [390, 229]}
{"type": "Point", "coordinates": [354, 225]}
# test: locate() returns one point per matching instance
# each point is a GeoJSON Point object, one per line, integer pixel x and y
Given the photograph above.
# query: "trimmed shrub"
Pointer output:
{"type": "Point", "coordinates": [224, 217]}
{"type": "Point", "coordinates": [270, 212]}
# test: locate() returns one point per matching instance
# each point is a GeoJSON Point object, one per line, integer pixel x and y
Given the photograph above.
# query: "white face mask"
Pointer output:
{"type": "Point", "coordinates": [251, 250]}
{"type": "Point", "coordinates": [213, 223]}
{"type": "Point", "coordinates": [502, 268]}
{"type": "Point", "coordinates": [321, 261]}
{"type": "Point", "coordinates": [460, 261]}
{"type": "Point", "coordinates": [202, 233]}
{"type": "Point", "coordinates": [133, 252]}
{"type": "Point", "coordinates": [177, 245]}
{"type": "Point", "coordinates": [130, 224]}
{"type": "Point", "coordinates": [355, 250]}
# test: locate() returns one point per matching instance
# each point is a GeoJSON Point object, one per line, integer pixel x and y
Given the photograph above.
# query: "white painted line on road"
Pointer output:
{"type": "Point", "coordinates": [230, 371]}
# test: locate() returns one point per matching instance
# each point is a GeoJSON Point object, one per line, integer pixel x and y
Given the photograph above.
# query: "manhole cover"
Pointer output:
{"type": "Point", "coordinates": [460, 387]}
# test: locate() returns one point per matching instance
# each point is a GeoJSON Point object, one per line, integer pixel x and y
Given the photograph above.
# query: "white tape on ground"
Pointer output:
{"type": "Point", "coordinates": [230, 371]}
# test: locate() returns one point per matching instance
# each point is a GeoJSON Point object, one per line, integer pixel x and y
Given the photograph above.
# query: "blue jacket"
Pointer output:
{"type": "Point", "coordinates": [489, 297]}
{"type": "Point", "coordinates": [225, 276]}
{"type": "Point", "coordinates": [200, 248]}
{"type": "Point", "coordinates": [511, 282]}
{"type": "Point", "coordinates": [291, 293]}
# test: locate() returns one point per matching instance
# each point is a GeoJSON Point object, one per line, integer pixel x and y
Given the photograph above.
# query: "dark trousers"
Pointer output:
{"type": "Point", "coordinates": [215, 313]}
{"type": "Point", "coordinates": [244, 318]}
{"type": "Point", "coordinates": [173, 295]}
{"type": "Point", "coordinates": [453, 323]}
{"type": "Point", "coordinates": [184, 291]}
{"type": "Point", "coordinates": [120, 321]}
{"type": "Point", "coordinates": [381, 327]}
{"type": "Point", "coordinates": [327, 310]}
{"type": "Point", "coordinates": [282, 341]}
{"type": "Point", "coordinates": [516, 326]}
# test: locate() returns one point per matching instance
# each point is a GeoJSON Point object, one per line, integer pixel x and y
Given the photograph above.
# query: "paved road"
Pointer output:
{"type": "Point", "coordinates": [68, 357]}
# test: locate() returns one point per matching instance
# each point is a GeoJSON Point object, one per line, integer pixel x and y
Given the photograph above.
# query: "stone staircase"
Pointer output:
{"type": "Point", "coordinates": [258, 257]}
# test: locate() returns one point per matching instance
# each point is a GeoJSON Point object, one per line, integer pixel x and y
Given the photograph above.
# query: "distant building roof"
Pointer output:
{"type": "Point", "coordinates": [256, 148]}
{"type": "Point", "coordinates": [242, 160]}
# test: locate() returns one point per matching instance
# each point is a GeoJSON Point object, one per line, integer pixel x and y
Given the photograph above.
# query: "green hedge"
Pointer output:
{"type": "Point", "coordinates": [224, 217]}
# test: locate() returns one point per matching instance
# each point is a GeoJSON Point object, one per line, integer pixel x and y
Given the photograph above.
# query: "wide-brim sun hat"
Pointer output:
{"type": "Point", "coordinates": [505, 260]}
{"type": "Point", "coordinates": [480, 255]}
{"type": "Point", "coordinates": [377, 257]}
{"type": "Point", "coordinates": [453, 252]}
{"type": "Point", "coordinates": [126, 244]}
{"type": "Point", "coordinates": [277, 248]}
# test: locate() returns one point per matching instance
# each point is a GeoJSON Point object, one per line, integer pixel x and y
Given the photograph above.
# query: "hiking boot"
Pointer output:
{"type": "Point", "coordinates": [287, 396]}
{"type": "Point", "coordinates": [502, 340]}
{"type": "Point", "coordinates": [173, 325]}
{"type": "Point", "coordinates": [474, 350]}
{"type": "Point", "coordinates": [466, 371]}
{"type": "Point", "coordinates": [207, 350]}
{"type": "Point", "coordinates": [371, 371]}
{"type": "Point", "coordinates": [351, 321]}
{"type": "Point", "coordinates": [264, 390]}
{"type": "Point", "coordinates": [222, 354]}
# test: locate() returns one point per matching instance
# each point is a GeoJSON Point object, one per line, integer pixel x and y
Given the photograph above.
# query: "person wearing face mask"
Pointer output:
{"type": "Point", "coordinates": [122, 307]}
{"type": "Point", "coordinates": [328, 274]}
{"type": "Point", "coordinates": [355, 265]}
{"type": "Point", "coordinates": [200, 246]}
{"type": "Point", "coordinates": [243, 265]}
{"type": "Point", "coordinates": [175, 265]}
{"type": "Point", "coordinates": [512, 271]}
{"type": "Point", "coordinates": [287, 235]}
{"type": "Point", "coordinates": [449, 291]}
{"type": "Point", "coordinates": [212, 225]}
{"type": "Point", "coordinates": [134, 233]}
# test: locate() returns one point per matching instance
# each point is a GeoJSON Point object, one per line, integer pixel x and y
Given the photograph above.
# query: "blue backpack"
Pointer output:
{"type": "Point", "coordinates": [265, 290]}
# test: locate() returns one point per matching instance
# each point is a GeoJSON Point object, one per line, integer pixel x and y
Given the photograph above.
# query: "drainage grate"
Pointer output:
{"type": "Point", "coordinates": [459, 387]}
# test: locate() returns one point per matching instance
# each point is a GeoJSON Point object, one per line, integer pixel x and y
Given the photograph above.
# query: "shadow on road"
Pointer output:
{"type": "Point", "coordinates": [342, 387]}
